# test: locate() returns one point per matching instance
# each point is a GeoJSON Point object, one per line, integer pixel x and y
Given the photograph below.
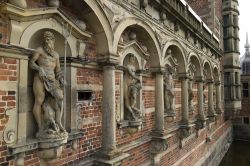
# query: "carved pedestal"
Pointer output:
{"type": "Point", "coordinates": [200, 123]}
{"type": "Point", "coordinates": [212, 118]}
{"type": "Point", "coordinates": [51, 149]}
{"type": "Point", "coordinates": [186, 130]}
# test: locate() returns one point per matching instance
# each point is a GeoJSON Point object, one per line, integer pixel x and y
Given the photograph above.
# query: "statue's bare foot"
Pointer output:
{"type": "Point", "coordinates": [62, 129]}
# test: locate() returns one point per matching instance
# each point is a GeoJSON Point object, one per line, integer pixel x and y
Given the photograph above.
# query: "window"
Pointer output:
{"type": "Point", "coordinates": [84, 95]}
{"type": "Point", "coordinates": [227, 78]}
{"type": "Point", "coordinates": [246, 120]}
{"type": "Point", "coordinates": [245, 90]}
{"type": "Point", "coordinates": [226, 19]}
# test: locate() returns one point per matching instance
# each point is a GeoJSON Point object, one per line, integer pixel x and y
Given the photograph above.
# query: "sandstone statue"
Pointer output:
{"type": "Point", "coordinates": [132, 89]}
{"type": "Point", "coordinates": [47, 88]}
{"type": "Point", "coordinates": [169, 99]}
{"type": "Point", "coordinates": [204, 95]}
{"type": "Point", "coordinates": [190, 96]}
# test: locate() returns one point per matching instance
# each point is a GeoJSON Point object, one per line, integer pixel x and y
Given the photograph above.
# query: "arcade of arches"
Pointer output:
{"type": "Point", "coordinates": [101, 82]}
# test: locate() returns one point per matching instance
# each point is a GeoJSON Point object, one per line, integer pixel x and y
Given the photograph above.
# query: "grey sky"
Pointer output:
{"type": "Point", "coordinates": [244, 22]}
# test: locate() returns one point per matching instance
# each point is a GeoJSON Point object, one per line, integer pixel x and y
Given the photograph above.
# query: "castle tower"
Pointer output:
{"type": "Point", "coordinates": [231, 57]}
{"type": "Point", "coordinates": [245, 60]}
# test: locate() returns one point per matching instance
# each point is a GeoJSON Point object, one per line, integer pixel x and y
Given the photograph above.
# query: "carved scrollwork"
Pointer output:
{"type": "Point", "coordinates": [10, 134]}
{"type": "Point", "coordinates": [79, 118]}
{"type": "Point", "coordinates": [113, 12]}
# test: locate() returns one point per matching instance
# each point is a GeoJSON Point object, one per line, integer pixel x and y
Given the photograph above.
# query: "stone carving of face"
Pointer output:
{"type": "Point", "coordinates": [49, 40]}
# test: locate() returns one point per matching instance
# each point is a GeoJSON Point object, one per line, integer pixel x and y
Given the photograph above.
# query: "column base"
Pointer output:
{"type": "Point", "coordinates": [212, 118]}
{"type": "Point", "coordinates": [201, 123]}
{"type": "Point", "coordinates": [185, 122]}
{"type": "Point", "coordinates": [158, 133]}
{"type": "Point", "coordinates": [158, 145]}
{"type": "Point", "coordinates": [104, 160]}
{"type": "Point", "coordinates": [212, 115]}
{"type": "Point", "coordinates": [186, 130]}
{"type": "Point", "coordinates": [108, 155]}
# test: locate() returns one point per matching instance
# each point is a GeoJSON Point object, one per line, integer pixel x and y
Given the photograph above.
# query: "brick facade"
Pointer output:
{"type": "Point", "coordinates": [134, 141]}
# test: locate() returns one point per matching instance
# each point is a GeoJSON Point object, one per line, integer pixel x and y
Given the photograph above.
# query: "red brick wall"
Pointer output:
{"type": "Point", "coordinates": [138, 155]}
{"type": "Point", "coordinates": [8, 73]}
{"type": "Point", "coordinates": [245, 111]}
{"type": "Point", "coordinates": [176, 154]}
{"type": "Point", "coordinates": [91, 141]}
{"type": "Point", "coordinates": [200, 7]}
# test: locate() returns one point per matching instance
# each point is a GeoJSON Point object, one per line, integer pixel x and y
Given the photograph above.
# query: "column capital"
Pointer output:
{"type": "Point", "coordinates": [109, 66]}
{"type": "Point", "coordinates": [217, 82]}
{"type": "Point", "coordinates": [200, 79]}
{"type": "Point", "coordinates": [158, 70]}
{"type": "Point", "coordinates": [108, 59]}
{"type": "Point", "coordinates": [210, 81]}
{"type": "Point", "coordinates": [183, 76]}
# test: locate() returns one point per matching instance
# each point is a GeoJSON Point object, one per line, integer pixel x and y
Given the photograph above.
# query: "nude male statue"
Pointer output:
{"type": "Point", "coordinates": [132, 90]}
{"type": "Point", "coordinates": [47, 87]}
{"type": "Point", "coordinates": [169, 93]}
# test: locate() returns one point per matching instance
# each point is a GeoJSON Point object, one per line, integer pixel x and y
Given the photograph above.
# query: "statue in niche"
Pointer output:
{"type": "Point", "coordinates": [169, 98]}
{"type": "Point", "coordinates": [190, 89]}
{"type": "Point", "coordinates": [190, 96]}
{"type": "Point", "coordinates": [47, 88]}
{"type": "Point", "coordinates": [204, 96]}
{"type": "Point", "coordinates": [204, 88]}
{"type": "Point", "coordinates": [132, 89]}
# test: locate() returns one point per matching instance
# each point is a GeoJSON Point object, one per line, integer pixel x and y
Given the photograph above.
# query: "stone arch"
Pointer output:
{"type": "Point", "coordinates": [133, 52]}
{"type": "Point", "coordinates": [34, 31]}
{"type": "Point", "coordinates": [177, 54]}
{"type": "Point", "coordinates": [146, 32]}
{"type": "Point", "coordinates": [104, 33]}
{"type": "Point", "coordinates": [194, 60]}
{"type": "Point", "coordinates": [208, 69]}
{"type": "Point", "coordinates": [98, 21]}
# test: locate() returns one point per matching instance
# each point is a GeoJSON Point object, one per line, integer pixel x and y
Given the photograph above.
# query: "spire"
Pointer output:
{"type": "Point", "coordinates": [247, 46]}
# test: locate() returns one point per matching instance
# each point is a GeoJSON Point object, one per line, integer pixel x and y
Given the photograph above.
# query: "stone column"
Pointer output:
{"type": "Point", "coordinates": [211, 112]}
{"type": "Point", "coordinates": [184, 99]}
{"type": "Point", "coordinates": [108, 112]}
{"type": "Point", "coordinates": [201, 114]}
{"type": "Point", "coordinates": [159, 104]}
{"type": "Point", "coordinates": [218, 98]}
{"type": "Point", "coordinates": [159, 140]}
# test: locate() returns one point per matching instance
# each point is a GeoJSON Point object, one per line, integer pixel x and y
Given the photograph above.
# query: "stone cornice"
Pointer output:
{"type": "Point", "coordinates": [201, 30]}
{"type": "Point", "coordinates": [15, 51]}
{"type": "Point", "coordinates": [202, 33]}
